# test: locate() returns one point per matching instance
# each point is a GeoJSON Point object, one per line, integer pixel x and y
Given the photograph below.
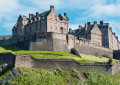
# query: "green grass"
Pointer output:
{"type": "Point", "coordinates": [96, 59]}
{"type": "Point", "coordinates": [84, 59]}
{"type": "Point", "coordinates": [44, 52]}
{"type": "Point", "coordinates": [55, 55]}
{"type": "Point", "coordinates": [37, 76]}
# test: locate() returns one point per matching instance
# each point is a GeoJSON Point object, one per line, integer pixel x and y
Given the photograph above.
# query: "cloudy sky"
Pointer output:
{"type": "Point", "coordinates": [78, 11]}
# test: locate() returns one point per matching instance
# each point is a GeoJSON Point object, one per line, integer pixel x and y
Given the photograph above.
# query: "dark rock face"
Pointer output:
{"type": "Point", "coordinates": [8, 77]}
{"type": "Point", "coordinates": [74, 51]}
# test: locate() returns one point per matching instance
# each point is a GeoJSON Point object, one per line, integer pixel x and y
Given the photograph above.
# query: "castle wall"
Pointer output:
{"type": "Point", "coordinates": [65, 64]}
{"type": "Point", "coordinates": [86, 47]}
{"type": "Point", "coordinates": [94, 51]}
{"type": "Point", "coordinates": [116, 68]}
{"type": "Point", "coordinates": [19, 60]}
{"type": "Point", "coordinates": [8, 58]}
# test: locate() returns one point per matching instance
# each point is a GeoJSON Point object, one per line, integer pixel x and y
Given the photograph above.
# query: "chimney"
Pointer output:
{"type": "Point", "coordinates": [114, 33]}
{"type": "Point", "coordinates": [31, 16]}
{"type": "Point", "coordinates": [37, 13]}
{"type": "Point", "coordinates": [88, 23]}
{"type": "Point", "coordinates": [70, 30]}
{"type": "Point", "coordinates": [101, 22]}
{"type": "Point", "coordinates": [85, 25]}
{"type": "Point", "coordinates": [51, 7]}
{"type": "Point", "coordinates": [80, 26]}
{"type": "Point", "coordinates": [117, 37]}
{"type": "Point", "coordinates": [65, 14]}
{"type": "Point", "coordinates": [111, 28]}
{"type": "Point", "coordinates": [95, 22]}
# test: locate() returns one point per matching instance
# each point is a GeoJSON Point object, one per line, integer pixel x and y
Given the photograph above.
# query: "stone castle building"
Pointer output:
{"type": "Point", "coordinates": [98, 34]}
{"type": "Point", "coordinates": [48, 31]}
{"type": "Point", "coordinates": [47, 21]}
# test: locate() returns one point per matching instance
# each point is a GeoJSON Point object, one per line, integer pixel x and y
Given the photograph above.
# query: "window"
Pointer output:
{"type": "Point", "coordinates": [94, 35]}
{"type": "Point", "coordinates": [105, 38]}
{"type": "Point", "coordinates": [50, 27]}
{"type": "Point", "coordinates": [41, 20]}
{"type": "Point", "coordinates": [55, 21]}
{"type": "Point", "coordinates": [55, 28]}
{"type": "Point", "coordinates": [50, 20]}
{"type": "Point", "coordinates": [64, 23]}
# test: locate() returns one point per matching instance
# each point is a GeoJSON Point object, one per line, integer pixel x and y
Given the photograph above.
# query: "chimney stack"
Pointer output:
{"type": "Point", "coordinates": [31, 16]}
{"type": "Point", "coordinates": [101, 22]}
{"type": "Point", "coordinates": [65, 14]}
{"type": "Point", "coordinates": [88, 23]}
{"type": "Point", "coordinates": [70, 30]}
{"type": "Point", "coordinates": [51, 7]}
{"type": "Point", "coordinates": [95, 22]}
{"type": "Point", "coordinates": [37, 13]}
{"type": "Point", "coordinates": [85, 25]}
{"type": "Point", "coordinates": [80, 26]}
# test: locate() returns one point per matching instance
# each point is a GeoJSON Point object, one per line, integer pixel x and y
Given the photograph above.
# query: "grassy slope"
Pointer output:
{"type": "Point", "coordinates": [55, 55]}
{"type": "Point", "coordinates": [31, 76]}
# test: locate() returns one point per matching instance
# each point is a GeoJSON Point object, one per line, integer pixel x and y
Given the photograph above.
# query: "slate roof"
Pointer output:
{"type": "Point", "coordinates": [44, 14]}
{"type": "Point", "coordinates": [61, 17]}
{"type": "Point", "coordinates": [82, 31]}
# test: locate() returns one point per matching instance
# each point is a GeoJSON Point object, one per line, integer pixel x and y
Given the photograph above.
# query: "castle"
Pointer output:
{"type": "Point", "coordinates": [48, 31]}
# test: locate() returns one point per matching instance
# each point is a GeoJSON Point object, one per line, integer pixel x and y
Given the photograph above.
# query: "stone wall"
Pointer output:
{"type": "Point", "coordinates": [8, 58]}
{"type": "Point", "coordinates": [94, 51]}
{"type": "Point", "coordinates": [65, 64]}
{"type": "Point", "coordinates": [116, 68]}
{"type": "Point", "coordinates": [87, 47]}
{"type": "Point", "coordinates": [50, 41]}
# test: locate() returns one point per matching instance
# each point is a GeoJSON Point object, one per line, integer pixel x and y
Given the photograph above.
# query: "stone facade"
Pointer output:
{"type": "Point", "coordinates": [47, 21]}
{"type": "Point", "coordinates": [98, 34]}
{"type": "Point", "coordinates": [49, 32]}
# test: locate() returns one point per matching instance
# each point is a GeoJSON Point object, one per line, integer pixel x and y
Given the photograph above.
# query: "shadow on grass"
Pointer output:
{"type": "Point", "coordinates": [12, 48]}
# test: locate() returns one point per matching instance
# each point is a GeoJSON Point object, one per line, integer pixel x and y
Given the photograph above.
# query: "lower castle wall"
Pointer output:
{"type": "Point", "coordinates": [94, 51]}
{"type": "Point", "coordinates": [8, 58]}
{"type": "Point", "coordinates": [116, 68]}
{"type": "Point", "coordinates": [65, 64]}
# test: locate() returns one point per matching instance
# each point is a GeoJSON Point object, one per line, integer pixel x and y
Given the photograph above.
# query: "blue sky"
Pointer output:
{"type": "Point", "coordinates": [78, 11]}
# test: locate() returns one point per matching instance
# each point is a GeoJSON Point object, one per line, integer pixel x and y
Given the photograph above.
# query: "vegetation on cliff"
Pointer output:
{"type": "Point", "coordinates": [37, 76]}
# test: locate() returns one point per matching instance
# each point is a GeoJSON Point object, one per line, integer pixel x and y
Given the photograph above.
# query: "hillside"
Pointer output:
{"type": "Point", "coordinates": [31, 76]}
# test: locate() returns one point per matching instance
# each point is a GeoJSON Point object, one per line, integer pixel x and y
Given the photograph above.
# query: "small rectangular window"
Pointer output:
{"type": "Point", "coordinates": [55, 28]}
{"type": "Point", "coordinates": [55, 21]}
{"type": "Point", "coordinates": [50, 20]}
{"type": "Point", "coordinates": [50, 27]}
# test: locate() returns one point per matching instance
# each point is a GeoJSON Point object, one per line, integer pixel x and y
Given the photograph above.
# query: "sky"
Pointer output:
{"type": "Point", "coordinates": [78, 11]}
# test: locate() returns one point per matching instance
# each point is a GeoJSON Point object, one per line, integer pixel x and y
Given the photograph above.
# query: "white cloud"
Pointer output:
{"type": "Point", "coordinates": [73, 26]}
{"type": "Point", "coordinates": [107, 10]}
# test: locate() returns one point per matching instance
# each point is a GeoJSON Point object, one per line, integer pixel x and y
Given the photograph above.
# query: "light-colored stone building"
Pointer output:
{"type": "Point", "coordinates": [47, 21]}
{"type": "Point", "coordinates": [98, 34]}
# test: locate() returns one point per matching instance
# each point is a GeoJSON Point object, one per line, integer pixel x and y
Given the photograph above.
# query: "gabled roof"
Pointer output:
{"type": "Point", "coordinates": [63, 17]}
{"type": "Point", "coordinates": [82, 30]}
{"type": "Point", "coordinates": [44, 14]}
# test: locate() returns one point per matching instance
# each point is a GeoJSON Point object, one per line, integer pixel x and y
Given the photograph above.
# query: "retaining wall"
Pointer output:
{"type": "Point", "coordinates": [8, 58]}
{"type": "Point", "coordinates": [65, 64]}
